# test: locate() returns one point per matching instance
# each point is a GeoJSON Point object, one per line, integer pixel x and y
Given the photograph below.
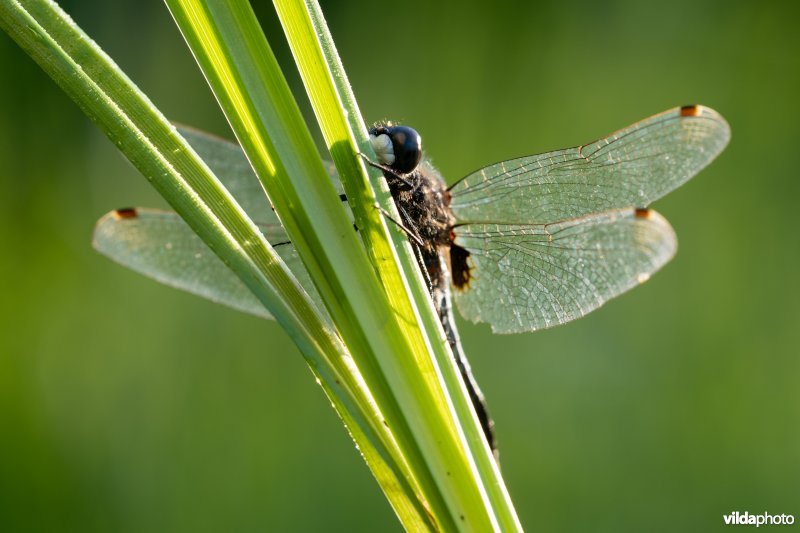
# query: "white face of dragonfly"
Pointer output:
{"type": "Point", "coordinates": [382, 145]}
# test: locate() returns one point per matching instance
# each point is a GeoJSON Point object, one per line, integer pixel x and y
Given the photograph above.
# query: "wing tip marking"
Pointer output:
{"type": "Point", "coordinates": [691, 110]}
{"type": "Point", "coordinates": [125, 213]}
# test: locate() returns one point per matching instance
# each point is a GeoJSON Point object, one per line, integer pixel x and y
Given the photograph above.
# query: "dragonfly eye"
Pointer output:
{"type": "Point", "coordinates": [406, 147]}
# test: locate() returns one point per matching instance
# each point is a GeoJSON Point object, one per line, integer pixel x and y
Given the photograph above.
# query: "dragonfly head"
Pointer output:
{"type": "Point", "coordinates": [398, 147]}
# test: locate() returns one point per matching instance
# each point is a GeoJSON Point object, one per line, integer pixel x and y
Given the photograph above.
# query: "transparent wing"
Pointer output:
{"type": "Point", "coordinates": [534, 276]}
{"type": "Point", "coordinates": [160, 245]}
{"type": "Point", "coordinates": [228, 162]}
{"type": "Point", "coordinates": [632, 167]}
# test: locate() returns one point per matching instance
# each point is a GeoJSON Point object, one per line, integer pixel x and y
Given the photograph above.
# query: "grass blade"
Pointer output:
{"type": "Point", "coordinates": [345, 133]}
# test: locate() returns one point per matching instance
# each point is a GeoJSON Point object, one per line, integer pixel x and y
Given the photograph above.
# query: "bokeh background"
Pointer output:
{"type": "Point", "coordinates": [128, 406]}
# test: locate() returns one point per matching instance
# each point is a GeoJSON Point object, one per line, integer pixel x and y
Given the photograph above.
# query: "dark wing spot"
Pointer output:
{"type": "Point", "coordinates": [690, 111]}
{"type": "Point", "coordinates": [127, 212]}
{"type": "Point", "coordinates": [460, 267]}
{"type": "Point", "coordinates": [642, 212]}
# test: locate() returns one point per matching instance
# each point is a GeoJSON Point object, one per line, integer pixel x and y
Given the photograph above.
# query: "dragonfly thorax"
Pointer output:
{"type": "Point", "coordinates": [425, 207]}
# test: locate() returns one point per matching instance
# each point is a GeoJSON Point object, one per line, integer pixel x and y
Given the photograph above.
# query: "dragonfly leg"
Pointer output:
{"type": "Point", "coordinates": [388, 170]}
{"type": "Point", "coordinates": [411, 234]}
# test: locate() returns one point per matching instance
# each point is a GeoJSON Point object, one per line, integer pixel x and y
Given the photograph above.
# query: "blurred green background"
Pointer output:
{"type": "Point", "coordinates": [128, 406]}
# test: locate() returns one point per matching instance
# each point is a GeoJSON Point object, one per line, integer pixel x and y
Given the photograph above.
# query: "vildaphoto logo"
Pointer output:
{"type": "Point", "coordinates": [746, 519]}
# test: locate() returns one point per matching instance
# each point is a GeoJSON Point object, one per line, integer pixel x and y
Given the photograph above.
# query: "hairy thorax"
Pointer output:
{"type": "Point", "coordinates": [424, 204]}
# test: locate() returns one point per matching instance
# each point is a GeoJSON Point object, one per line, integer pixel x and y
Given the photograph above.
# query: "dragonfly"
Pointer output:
{"type": "Point", "coordinates": [526, 244]}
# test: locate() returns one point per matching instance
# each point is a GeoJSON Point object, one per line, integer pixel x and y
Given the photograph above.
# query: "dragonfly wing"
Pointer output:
{"type": "Point", "coordinates": [228, 162]}
{"type": "Point", "coordinates": [160, 245]}
{"type": "Point", "coordinates": [532, 276]}
{"type": "Point", "coordinates": [632, 167]}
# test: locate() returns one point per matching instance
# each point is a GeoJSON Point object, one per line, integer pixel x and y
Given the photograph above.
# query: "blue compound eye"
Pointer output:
{"type": "Point", "coordinates": [407, 146]}
{"type": "Point", "coordinates": [398, 147]}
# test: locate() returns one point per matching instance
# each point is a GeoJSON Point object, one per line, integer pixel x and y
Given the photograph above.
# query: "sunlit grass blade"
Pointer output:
{"type": "Point", "coordinates": [345, 133]}
{"type": "Point", "coordinates": [240, 67]}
